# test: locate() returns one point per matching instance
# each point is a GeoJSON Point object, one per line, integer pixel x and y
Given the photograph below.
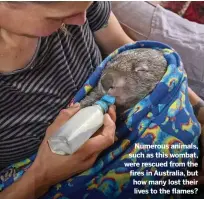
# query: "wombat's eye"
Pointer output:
{"type": "Point", "coordinates": [140, 70]}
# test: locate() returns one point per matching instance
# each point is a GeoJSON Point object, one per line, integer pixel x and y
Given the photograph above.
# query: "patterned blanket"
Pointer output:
{"type": "Point", "coordinates": [164, 117]}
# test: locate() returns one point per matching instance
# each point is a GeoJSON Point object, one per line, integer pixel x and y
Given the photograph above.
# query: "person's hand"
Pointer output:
{"type": "Point", "coordinates": [52, 168]}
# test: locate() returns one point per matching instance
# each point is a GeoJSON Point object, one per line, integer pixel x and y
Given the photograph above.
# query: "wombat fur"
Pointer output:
{"type": "Point", "coordinates": [129, 77]}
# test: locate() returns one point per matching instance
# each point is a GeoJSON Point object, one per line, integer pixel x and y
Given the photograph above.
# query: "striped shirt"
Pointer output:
{"type": "Point", "coordinates": [31, 98]}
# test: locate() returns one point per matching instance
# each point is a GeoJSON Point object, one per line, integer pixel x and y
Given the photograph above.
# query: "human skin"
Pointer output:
{"type": "Point", "coordinates": [24, 24]}
{"type": "Point", "coordinates": [42, 173]}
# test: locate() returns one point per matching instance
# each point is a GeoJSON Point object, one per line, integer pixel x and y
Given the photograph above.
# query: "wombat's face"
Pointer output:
{"type": "Point", "coordinates": [131, 75]}
{"type": "Point", "coordinates": [120, 85]}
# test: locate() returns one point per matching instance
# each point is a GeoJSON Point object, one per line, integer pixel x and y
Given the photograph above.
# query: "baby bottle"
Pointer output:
{"type": "Point", "coordinates": [77, 130]}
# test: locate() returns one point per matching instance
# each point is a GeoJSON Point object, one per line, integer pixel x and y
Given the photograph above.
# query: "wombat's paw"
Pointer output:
{"type": "Point", "coordinates": [84, 103]}
{"type": "Point", "coordinates": [87, 101]}
{"type": "Point", "coordinates": [90, 99]}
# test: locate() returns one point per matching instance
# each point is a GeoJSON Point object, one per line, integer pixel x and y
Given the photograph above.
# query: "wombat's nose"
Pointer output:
{"type": "Point", "coordinates": [107, 82]}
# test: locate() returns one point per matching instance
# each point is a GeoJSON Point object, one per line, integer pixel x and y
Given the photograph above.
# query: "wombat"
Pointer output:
{"type": "Point", "coordinates": [129, 77]}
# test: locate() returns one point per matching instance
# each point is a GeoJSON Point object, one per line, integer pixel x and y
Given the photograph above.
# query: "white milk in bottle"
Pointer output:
{"type": "Point", "coordinates": [77, 130]}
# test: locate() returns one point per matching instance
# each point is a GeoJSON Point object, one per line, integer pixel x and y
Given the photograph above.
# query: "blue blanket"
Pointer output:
{"type": "Point", "coordinates": [164, 117]}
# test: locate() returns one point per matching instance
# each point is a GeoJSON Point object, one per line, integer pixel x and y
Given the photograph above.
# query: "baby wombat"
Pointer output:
{"type": "Point", "coordinates": [129, 77]}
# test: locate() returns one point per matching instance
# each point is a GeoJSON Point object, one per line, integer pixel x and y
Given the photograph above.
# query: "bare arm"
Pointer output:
{"type": "Point", "coordinates": [112, 36]}
{"type": "Point", "coordinates": [48, 168]}
{"type": "Point", "coordinates": [29, 186]}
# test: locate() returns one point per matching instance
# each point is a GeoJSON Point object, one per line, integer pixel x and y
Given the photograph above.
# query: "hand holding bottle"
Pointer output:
{"type": "Point", "coordinates": [49, 168]}
{"type": "Point", "coordinates": [55, 168]}
{"type": "Point", "coordinates": [76, 131]}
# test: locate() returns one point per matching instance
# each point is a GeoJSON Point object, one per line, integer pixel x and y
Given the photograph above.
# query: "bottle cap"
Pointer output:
{"type": "Point", "coordinates": [105, 102]}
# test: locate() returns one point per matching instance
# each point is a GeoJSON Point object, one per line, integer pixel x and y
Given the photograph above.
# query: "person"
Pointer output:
{"type": "Point", "coordinates": [42, 66]}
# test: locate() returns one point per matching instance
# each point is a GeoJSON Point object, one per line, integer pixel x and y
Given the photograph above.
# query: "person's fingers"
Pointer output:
{"type": "Point", "coordinates": [64, 116]}
{"type": "Point", "coordinates": [109, 125]}
{"type": "Point", "coordinates": [112, 113]}
{"type": "Point", "coordinates": [99, 142]}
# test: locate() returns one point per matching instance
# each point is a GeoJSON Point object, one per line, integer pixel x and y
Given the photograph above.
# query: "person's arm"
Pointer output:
{"type": "Point", "coordinates": [29, 186]}
{"type": "Point", "coordinates": [48, 168]}
{"type": "Point", "coordinates": [112, 36]}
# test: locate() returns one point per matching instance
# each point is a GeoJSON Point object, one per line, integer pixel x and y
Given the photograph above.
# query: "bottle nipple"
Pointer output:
{"type": "Point", "coordinates": [105, 102]}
